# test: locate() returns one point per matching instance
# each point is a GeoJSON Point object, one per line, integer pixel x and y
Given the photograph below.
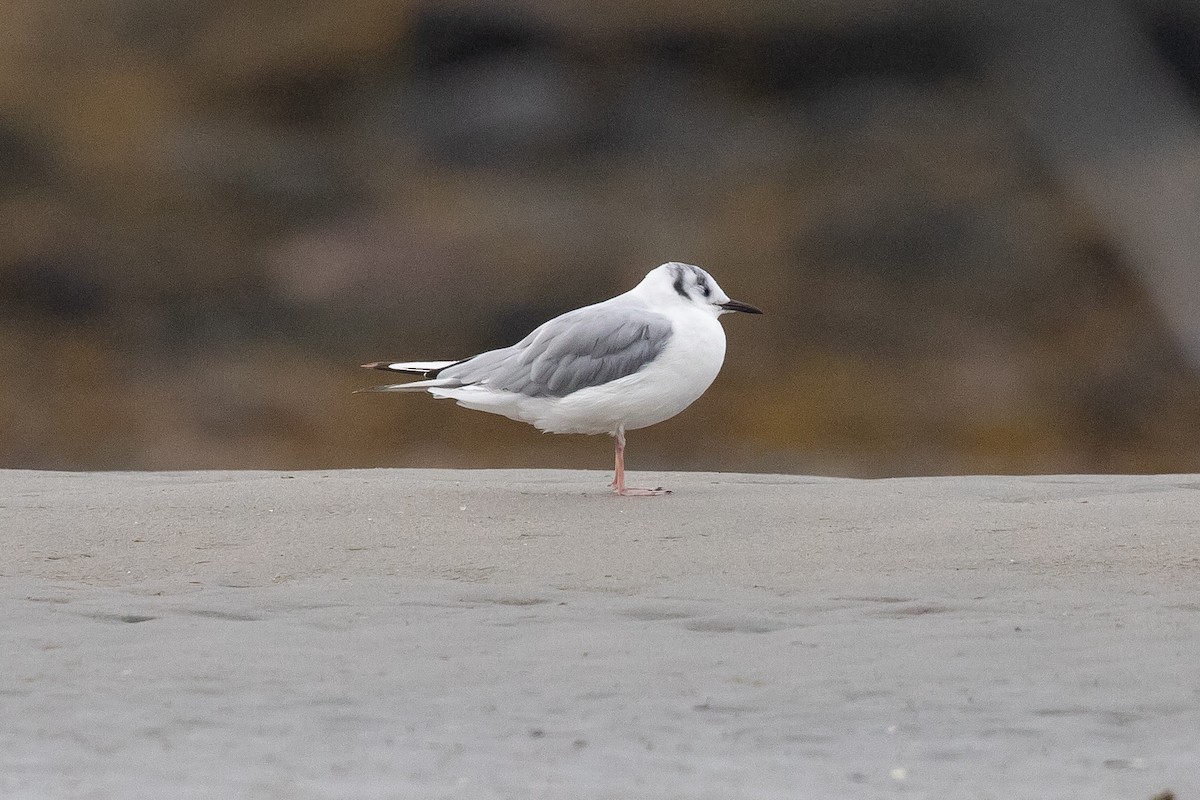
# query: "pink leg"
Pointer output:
{"type": "Point", "coordinates": [618, 483]}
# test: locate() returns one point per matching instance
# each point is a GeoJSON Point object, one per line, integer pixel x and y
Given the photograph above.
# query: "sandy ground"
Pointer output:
{"type": "Point", "coordinates": [521, 634]}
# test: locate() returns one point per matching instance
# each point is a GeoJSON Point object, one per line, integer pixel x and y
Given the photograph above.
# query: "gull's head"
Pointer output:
{"type": "Point", "coordinates": [674, 283]}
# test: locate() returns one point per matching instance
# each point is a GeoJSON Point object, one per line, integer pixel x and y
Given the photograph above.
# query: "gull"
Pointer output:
{"type": "Point", "coordinates": [626, 363]}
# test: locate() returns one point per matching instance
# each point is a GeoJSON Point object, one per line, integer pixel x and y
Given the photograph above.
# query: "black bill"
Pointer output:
{"type": "Point", "coordinates": [734, 305]}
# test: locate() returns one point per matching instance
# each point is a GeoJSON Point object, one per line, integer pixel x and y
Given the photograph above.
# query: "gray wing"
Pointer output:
{"type": "Point", "coordinates": [586, 347]}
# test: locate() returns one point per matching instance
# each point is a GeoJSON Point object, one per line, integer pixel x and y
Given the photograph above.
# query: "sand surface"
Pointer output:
{"type": "Point", "coordinates": [522, 634]}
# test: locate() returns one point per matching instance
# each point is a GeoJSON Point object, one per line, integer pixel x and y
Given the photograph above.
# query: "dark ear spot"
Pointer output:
{"type": "Point", "coordinates": [679, 284]}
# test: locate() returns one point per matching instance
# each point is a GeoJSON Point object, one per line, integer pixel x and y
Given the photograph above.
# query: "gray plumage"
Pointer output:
{"type": "Point", "coordinates": [582, 348]}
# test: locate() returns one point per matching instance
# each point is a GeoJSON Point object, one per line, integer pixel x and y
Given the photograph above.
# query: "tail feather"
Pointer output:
{"type": "Point", "coordinates": [415, 386]}
{"type": "Point", "coordinates": [410, 367]}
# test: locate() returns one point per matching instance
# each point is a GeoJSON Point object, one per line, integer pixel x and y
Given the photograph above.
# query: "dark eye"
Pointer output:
{"type": "Point", "coordinates": [704, 288]}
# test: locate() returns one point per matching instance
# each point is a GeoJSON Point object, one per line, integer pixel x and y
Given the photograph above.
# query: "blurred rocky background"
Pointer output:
{"type": "Point", "coordinates": [973, 226]}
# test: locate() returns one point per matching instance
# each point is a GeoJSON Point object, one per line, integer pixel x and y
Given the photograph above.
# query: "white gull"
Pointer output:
{"type": "Point", "coordinates": [626, 363]}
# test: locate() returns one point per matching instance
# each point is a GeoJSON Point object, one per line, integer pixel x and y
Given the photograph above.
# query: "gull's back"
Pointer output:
{"type": "Point", "coordinates": [587, 347]}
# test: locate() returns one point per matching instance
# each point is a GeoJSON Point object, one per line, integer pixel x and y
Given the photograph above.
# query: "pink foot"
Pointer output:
{"type": "Point", "coordinates": [618, 481]}
{"type": "Point", "coordinates": [626, 491]}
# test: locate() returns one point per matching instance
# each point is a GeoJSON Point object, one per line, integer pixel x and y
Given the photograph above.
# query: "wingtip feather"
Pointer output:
{"type": "Point", "coordinates": [393, 387]}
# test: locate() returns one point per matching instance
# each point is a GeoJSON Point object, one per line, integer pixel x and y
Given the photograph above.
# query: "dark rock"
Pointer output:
{"type": "Point", "coordinates": [54, 288]}
{"type": "Point", "coordinates": [25, 159]}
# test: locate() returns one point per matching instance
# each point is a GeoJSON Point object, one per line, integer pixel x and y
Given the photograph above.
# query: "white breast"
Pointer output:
{"type": "Point", "coordinates": [683, 371]}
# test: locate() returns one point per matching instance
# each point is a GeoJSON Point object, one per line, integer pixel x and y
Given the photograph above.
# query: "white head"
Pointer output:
{"type": "Point", "coordinates": [674, 283]}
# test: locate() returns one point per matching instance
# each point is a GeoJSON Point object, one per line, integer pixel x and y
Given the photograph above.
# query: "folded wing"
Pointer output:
{"type": "Point", "coordinates": [583, 348]}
